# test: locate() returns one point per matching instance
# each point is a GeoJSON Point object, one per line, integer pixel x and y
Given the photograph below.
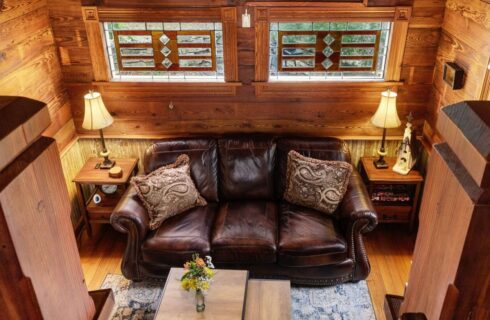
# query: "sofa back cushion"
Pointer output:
{"type": "Point", "coordinates": [318, 148]}
{"type": "Point", "coordinates": [246, 166]}
{"type": "Point", "coordinates": [203, 154]}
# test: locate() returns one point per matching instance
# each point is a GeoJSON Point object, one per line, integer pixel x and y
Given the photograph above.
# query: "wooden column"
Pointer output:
{"type": "Point", "coordinates": [95, 37]}
{"type": "Point", "coordinates": [40, 272]}
{"type": "Point", "coordinates": [449, 278]}
{"type": "Point", "coordinates": [229, 21]}
{"type": "Point", "coordinates": [397, 43]}
{"type": "Point", "coordinates": [261, 44]}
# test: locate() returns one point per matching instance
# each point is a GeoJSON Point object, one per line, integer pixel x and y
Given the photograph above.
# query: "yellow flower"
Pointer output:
{"type": "Point", "coordinates": [209, 273]}
{"type": "Point", "coordinates": [205, 285]}
{"type": "Point", "coordinates": [185, 284]}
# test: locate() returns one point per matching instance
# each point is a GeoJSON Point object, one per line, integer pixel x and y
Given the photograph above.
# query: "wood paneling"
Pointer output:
{"type": "Point", "coordinates": [48, 256]}
{"type": "Point", "coordinates": [135, 148]}
{"type": "Point", "coordinates": [72, 161]}
{"type": "Point", "coordinates": [465, 40]}
{"type": "Point", "coordinates": [332, 112]}
{"type": "Point", "coordinates": [29, 64]}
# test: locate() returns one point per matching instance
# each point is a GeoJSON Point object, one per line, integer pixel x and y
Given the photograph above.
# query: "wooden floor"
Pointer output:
{"type": "Point", "coordinates": [389, 249]}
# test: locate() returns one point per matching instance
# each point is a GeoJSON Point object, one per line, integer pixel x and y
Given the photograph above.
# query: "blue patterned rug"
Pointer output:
{"type": "Point", "coordinates": [350, 301]}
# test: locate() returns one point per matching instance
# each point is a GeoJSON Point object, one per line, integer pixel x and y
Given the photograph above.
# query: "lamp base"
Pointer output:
{"type": "Point", "coordinates": [107, 164]}
{"type": "Point", "coordinates": [380, 163]}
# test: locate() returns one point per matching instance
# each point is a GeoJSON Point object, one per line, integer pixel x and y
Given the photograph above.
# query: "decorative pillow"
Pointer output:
{"type": "Point", "coordinates": [316, 184]}
{"type": "Point", "coordinates": [168, 191]}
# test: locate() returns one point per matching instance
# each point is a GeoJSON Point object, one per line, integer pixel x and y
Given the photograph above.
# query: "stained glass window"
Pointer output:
{"type": "Point", "coordinates": [328, 50]}
{"type": "Point", "coordinates": [165, 51]}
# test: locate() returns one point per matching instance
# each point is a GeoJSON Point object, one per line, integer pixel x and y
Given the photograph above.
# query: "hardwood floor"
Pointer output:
{"type": "Point", "coordinates": [389, 249]}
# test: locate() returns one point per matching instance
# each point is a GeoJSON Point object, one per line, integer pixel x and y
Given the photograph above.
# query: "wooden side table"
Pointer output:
{"type": "Point", "coordinates": [89, 175]}
{"type": "Point", "coordinates": [395, 196]}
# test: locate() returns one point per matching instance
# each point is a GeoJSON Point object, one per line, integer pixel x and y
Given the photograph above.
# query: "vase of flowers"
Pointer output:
{"type": "Point", "coordinates": [197, 276]}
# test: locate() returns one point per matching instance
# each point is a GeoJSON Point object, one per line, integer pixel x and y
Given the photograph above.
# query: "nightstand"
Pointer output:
{"type": "Point", "coordinates": [394, 196]}
{"type": "Point", "coordinates": [93, 212]}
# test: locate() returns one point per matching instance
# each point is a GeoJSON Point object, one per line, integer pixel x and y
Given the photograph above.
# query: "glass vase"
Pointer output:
{"type": "Point", "coordinates": [200, 304]}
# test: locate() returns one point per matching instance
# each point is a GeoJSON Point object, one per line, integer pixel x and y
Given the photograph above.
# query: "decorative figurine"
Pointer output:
{"type": "Point", "coordinates": [407, 153]}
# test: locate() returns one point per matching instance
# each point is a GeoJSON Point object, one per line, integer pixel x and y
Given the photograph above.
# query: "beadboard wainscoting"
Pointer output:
{"type": "Point", "coordinates": [74, 157]}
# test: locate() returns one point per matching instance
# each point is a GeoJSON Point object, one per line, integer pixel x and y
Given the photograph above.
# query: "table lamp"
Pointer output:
{"type": "Point", "coordinates": [385, 117]}
{"type": "Point", "coordinates": [97, 118]}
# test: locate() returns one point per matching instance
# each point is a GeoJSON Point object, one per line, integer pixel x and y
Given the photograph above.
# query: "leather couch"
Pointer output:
{"type": "Point", "coordinates": [246, 223]}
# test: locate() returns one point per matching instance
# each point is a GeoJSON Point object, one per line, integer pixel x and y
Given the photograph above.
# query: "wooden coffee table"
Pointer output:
{"type": "Point", "coordinates": [232, 296]}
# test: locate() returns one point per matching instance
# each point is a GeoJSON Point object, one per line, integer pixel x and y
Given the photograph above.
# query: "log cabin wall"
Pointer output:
{"type": "Point", "coordinates": [30, 67]}
{"type": "Point", "coordinates": [340, 111]}
{"type": "Point", "coordinates": [465, 39]}
{"type": "Point", "coordinates": [29, 64]}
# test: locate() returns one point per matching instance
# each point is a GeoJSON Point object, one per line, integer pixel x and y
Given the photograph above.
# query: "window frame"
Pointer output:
{"type": "Point", "coordinates": [94, 17]}
{"type": "Point", "coordinates": [319, 56]}
{"type": "Point", "coordinates": [398, 16]}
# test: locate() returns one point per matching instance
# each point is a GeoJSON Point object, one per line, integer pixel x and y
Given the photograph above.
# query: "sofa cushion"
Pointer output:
{"type": "Point", "coordinates": [316, 184]}
{"type": "Point", "coordinates": [181, 236]}
{"type": "Point", "coordinates": [168, 191]}
{"type": "Point", "coordinates": [203, 154]}
{"type": "Point", "coordinates": [318, 148]}
{"type": "Point", "coordinates": [308, 238]}
{"type": "Point", "coordinates": [245, 232]}
{"type": "Point", "coordinates": [247, 168]}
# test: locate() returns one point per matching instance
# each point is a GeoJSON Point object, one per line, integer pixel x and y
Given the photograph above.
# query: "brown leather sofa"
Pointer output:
{"type": "Point", "coordinates": [246, 224]}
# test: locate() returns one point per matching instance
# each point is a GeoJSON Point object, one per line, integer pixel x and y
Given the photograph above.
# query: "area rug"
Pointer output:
{"type": "Point", "coordinates": [350, 301]}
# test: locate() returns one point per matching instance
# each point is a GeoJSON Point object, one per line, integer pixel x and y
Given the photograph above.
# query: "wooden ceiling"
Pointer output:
{"type": "Point", "coordinates": [205, 3]}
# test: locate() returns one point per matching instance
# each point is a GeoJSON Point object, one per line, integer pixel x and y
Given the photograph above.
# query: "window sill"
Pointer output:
{"type": "Point", "coordinates": [166, 89]}
{"type": "Point", "coordinates": [318, 88]}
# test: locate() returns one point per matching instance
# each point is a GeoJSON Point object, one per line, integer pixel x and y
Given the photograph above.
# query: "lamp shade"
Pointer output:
{"type": "Point", "coordinates": [96, 115]}
{"type": "Point", "coordinates": [386, 115]}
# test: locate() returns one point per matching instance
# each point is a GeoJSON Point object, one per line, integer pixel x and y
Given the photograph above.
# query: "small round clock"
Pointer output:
{"type": "Point", "coordinates": [108, 188]}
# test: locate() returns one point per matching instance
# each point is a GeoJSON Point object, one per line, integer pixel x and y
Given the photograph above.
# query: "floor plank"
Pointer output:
{"type": "Point", "coordinates": [389, 250]}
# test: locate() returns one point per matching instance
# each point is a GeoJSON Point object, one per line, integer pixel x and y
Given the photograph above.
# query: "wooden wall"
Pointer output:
{"type": "Point", "coordinates": [340, 111]}
{"type": "Point", "coordinates": [465, 40]}
{"type": "Point", "coordinates": [131, 148]}
{"type": "Point", "coordinates": [29, 64]}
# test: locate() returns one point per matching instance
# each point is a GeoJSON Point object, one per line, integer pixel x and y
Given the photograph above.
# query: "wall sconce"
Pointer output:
{"type": "Point", "coordinates": [453, 75]}
{"type": "Point", "coordinates": [246, 21]}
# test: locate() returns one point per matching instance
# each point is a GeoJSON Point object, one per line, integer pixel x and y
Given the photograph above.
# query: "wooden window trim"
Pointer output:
{"type": "Point", "coordinates": [148, 90]}
{"type": "Point", "coordinates": [400, 16]}
{"type": "Point", "coordinates": [485, 92]}
{"type": "Point", "coordinates": [93, 18]}
{"type": "Point", "coordinates": [321, 89]}
{"type": "Point", "coordinates": [96, 44]}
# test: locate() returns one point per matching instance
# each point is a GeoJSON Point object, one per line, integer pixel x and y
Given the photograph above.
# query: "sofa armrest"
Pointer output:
{"type": "Point", "coordinates": [357, 205]}
{"type": "Point", "coordinates": [130, 211]}
{"type": "Point", "coordinates": [357, 217]}
{"type": "Point", "coordinates": [130, 217]}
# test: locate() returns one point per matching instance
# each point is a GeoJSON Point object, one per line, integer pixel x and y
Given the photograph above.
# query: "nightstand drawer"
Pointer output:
{"type": "Point", "coordinates": [101, 212]}
{"type": "Point", "coordinates": [99, 217]}
{"type": "Point", "coordinates": [394, 214]}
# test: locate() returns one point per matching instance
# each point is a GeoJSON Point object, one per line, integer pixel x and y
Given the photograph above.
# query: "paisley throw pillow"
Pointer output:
{"type": "Point", "coordinates": [168, 191]}
{"type": "Point", "coordinates": [316, 184]}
